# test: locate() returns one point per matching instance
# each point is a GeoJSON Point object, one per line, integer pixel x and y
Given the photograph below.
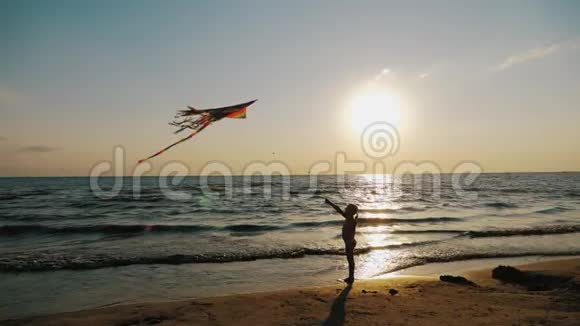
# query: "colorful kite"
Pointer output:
{"type": "Point", "coordinates": [198, 120]}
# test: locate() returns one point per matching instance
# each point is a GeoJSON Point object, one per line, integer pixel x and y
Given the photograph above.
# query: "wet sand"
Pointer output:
{"type": "Point", "coordinates": [421, 300]}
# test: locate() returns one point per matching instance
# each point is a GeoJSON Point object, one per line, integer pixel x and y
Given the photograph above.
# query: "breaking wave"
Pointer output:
{"type": "Point", "coordinates": [14, 230]}
{"type": "Point", "coordinates": [553, 210]}
{"type": "Point", "coordinates": [387, 221]}
{"type": "Point", "coordinates": [500, 205]}
{"type": "Point", "coordinates": [424, 260]}
{"type": "Point", "coordinates": [251, 228]}
{"type": "Point", "coordinates": [106, 229]}
{"type": "Point", "coordinates": [392, 210]}
{"type": "Point", "coordinates": [544, 230]}
{"type": "Point", "coordinates": [47, 261]}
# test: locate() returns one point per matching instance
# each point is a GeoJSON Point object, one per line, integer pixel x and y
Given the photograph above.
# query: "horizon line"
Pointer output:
{"type": "Point", "coordinates": [278, 175]}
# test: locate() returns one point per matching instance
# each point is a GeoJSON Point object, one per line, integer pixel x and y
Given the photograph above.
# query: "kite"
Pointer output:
{"type": "Point", "coordinates": [198, 120]}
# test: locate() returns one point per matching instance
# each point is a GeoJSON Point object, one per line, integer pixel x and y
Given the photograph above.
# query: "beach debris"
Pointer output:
{"type": "Point", "coordinates": [197, 303]}
{"type": "Point", "coordinates": [365, 291]}
{"type": "Point", "coordinates": [507, 274]}
{"type": "Point", "coordinates": [144, 320]}
{"type": "Point", "coordinates": [320, 299]}
{"type": "Point", "coordinates": [393, 292]}
{"type": "Point", "coordinates": [203, 119]}
{"type": "Point", "coordinates": [460, 280]}
{"type": "Point", "coordinates": [532, 281]}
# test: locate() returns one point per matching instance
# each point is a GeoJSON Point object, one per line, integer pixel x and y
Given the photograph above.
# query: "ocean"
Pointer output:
{"type": "Point", "coordinates": [64, 247]}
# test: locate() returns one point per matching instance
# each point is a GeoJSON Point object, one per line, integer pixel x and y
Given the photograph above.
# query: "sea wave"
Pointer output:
{"type": "Point", "coordinates": [515, 190]}
{"type": "Point", "coordinates": [386, 221]}
{"type": "Point", "coordinates": [543, 230]}
{"type": "Point", "coordinates": [21, 229]}
{"type": "Point", "coordinates": [500, 205]}
{"type": "Point", "coordinates": [128, 199]}
{"type": "Point", "coordinates": [378, 221]}
{"type": "Point", "coordinates": [48, 261]}
{"type": "Point", "coordinates": [252, 227]}
{"type": "Point", "coordinates": [16, 195]}
{"type": "Point", "coordinates": [428, 231]}
{"type": "Point", "coordinates": [553, 210]}
{"type": "Point", "coordinates": [393, 210]}
{"type": "Point", "coordinates": [424, 260]}
{"type": "Point", "coordinates": [247, 229]}
{"type": "Point", "coordinates": [313, 224]}
{"type": "Point", "coordinates": [364, 250]}
{"type": "Point", "coordinates": [9, 197]}
{"type": "Point", "coordinates": [8, 230]}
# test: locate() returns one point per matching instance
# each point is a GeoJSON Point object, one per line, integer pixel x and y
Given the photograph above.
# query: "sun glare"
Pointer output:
{"type": "Point", "coordinates": [372, 105]}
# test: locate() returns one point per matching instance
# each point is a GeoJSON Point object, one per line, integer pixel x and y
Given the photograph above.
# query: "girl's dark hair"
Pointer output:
{"type": "Point", "coordinates": [352, 207]}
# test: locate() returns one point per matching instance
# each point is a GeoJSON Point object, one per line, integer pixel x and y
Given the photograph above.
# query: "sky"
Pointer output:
{"type": "Point", "coordinates": [491, 82]}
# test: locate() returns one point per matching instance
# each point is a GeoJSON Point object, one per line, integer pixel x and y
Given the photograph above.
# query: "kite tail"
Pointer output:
{"type": "Point", "coordinates": [201, 127]}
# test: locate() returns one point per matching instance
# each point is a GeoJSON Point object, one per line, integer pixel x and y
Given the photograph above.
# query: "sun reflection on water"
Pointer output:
{"type": "Point", "coordinates": [373, 263]}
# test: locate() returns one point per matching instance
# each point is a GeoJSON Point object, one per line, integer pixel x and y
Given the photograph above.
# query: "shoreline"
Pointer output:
{"type": "Point", "coordinates": [421, 299]}
{"type": "Point", "coordinates": [470, 265]}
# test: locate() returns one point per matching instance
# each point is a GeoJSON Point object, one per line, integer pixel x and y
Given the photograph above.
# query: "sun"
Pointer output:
{"type": "Point", "coordinates": [374, 104]}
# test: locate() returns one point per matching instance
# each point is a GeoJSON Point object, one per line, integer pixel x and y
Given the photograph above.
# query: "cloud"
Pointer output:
{"type": "Point", "coordinates": [38, 149]}
{"type": "Point", "coordinates": [536, 54]}
{"type": "Point", "coordinates": [430, 71]}
{"type": "Point", "coordinates": [382, 74]}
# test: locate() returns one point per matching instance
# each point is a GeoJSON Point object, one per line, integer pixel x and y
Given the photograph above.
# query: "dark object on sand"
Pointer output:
{"type": "Point", "coordinates": [393, 292]}
{"type": "Point", "coordinates": [507, 274]}
{"type": "Point", "coordinates": [533, 281]}
{"type": "Point", "coordinates": [456, 280]}
{"type": "Point", "coordinates": [365, 291]}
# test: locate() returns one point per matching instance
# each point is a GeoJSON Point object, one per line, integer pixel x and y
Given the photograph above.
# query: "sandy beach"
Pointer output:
{"type": "Point", "coordinates": [420, 300]}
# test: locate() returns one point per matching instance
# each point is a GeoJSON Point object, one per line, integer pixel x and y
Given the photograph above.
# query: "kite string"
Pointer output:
{"type": "Point", "coordinates": [195, 132]}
